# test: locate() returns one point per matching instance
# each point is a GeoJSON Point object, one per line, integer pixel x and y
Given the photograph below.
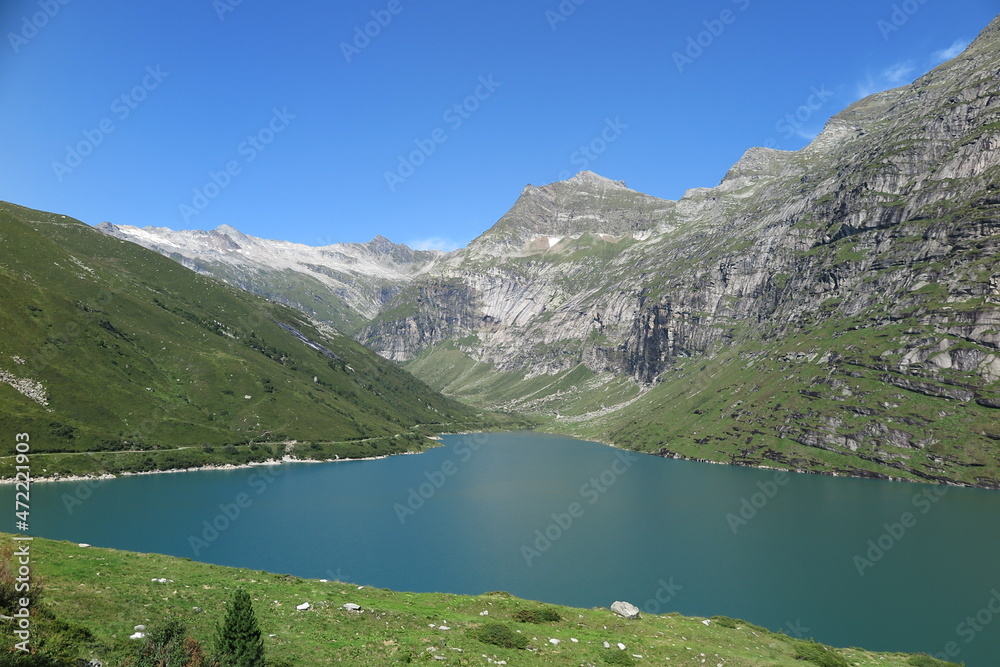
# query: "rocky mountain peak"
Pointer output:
{"type": "Point", "coordinates": [383, 246]}
{"type": "Point", "coordinates": [589, 177]}
{"type": "Point", "coordinates": [587, 203]}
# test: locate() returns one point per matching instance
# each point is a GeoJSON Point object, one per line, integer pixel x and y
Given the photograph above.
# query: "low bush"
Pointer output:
{"type": "Point", "coordinates": [927, 661]}
{"type": "Point", "coordinates": [615, 657]}
{"type": "Point", "coordinates": [537, 616]}
{"type": "Point", "coordinates": [819, 655]}
{"type": "Point", "coordinates": [500, 635]}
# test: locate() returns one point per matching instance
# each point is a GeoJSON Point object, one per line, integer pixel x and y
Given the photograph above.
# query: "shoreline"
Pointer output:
{"type": "Point", "coordinates": [874, 476]}
{"type": "Point", "coordinates": [438, 442]}
{"type": "Point", "coordinates": [211, 467]}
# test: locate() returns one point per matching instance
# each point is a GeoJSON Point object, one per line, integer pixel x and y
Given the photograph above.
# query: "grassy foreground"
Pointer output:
{"type": "Point", "coordinates": [108, 592]}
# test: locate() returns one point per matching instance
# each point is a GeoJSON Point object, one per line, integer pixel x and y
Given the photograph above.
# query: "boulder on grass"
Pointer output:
{"type": "Point", "coordinates": [625, 610]}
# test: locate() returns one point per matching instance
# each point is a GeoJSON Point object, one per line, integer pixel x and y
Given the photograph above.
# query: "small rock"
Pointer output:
{"type": "Point", "coordinates": [140, 628]}
{"type": "Point", "coordinates": [83, 545]}
{"type": "Point", "coordinates": [707, 622]}
{"type": "Point", "coordinates": [625, 610]}
{"type": "Point", "coordinates": [138, 635]}
{"type": "Point", "coordinates": [621, 646]}
{"type": "Point", "coordinates": [484, 613]}
{"type": "Point", "coordinates": [350, 606]}
{"type": "Point", "coordinates": [196, 610]}
{"type": "Point", "coordinates": [443, 627]}
{"type": "Point", "coordinates": [304, 606]}
{"type": "Point", "coordinates": [607, 645]}
{"type": "Point", "coordinates": [322, 581]}
{"type": "Point", "coordinates": [272, 635]}
{"type": "Point", "coordinates": [554, 642]}
{"type": "Point", "coordinates": [574, 640]}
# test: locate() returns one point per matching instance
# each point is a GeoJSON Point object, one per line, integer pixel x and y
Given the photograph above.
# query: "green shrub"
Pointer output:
{"type": "Point", "coordinates": [616, 657]}
{"type": "Point", "coordinates": [927, 661]}
{"type": "Point", "coordinates": [819, 655]}
{"type": "Point", "coordinates": [500, 635]}
{"type": "Point", "coordinates": [537, 616]}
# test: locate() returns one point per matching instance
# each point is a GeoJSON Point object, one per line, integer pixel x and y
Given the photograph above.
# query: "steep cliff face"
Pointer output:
{"type": "Point", "coordinates": [873, 251]}
{"type": "Point", "coordinates": [834, 309]}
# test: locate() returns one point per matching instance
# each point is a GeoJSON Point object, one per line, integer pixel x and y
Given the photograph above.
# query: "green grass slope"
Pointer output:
{"type": "Point", "coordinates": [823, 402]}
{"type": "Point", "coordinates": [108, 347]}
{"type": "Point", "coordinates": [109, 592]}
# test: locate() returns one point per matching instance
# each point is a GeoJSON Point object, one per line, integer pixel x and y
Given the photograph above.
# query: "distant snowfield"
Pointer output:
{"type": "Point", "coordinates": [230, 246]}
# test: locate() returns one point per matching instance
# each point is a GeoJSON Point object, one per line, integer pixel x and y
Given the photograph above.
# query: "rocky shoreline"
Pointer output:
{"type": "Point", "coordinates": [215, 466]}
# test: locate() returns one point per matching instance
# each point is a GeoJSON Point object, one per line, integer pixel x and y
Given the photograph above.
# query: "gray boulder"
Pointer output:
{"type": "Point", "coordinates": [625, 610]}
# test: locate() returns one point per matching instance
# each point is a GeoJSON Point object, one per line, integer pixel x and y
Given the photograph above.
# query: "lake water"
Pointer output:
{"type": "Point", "coordinates": [887, 566]}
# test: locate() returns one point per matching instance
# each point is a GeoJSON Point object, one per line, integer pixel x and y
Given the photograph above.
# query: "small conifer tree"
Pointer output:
{"type": "Point", "coordinates": [238, 642]}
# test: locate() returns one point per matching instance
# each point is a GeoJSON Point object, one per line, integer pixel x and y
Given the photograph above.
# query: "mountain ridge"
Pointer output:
{"type": "Point", "coordinates": [868, 251]}
{"type": "Point", "coordinates": [340, 284]}
{"type": "Point", "coordinates": [115, 358]}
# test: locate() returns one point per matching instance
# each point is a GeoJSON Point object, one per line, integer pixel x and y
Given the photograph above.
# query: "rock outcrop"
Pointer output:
{"type": "Point", "coordinates": [887, 223]}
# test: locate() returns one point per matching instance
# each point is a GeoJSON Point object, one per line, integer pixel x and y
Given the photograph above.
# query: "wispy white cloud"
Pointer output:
{"type": "Point", "coordinates": [434, 243]}
{"type": "Point", "coordinates": [905, 71]}
{"type": "Point", "coordinates": [807, 134]}
{"type": "Point", "coordinates": [868, 86]}
{"type": "Point", "coordinates": [898, 73]}
{"type": "Point", "coordinates": [893, 76]}
{"type": "Point", "coordinates": [951, 52]}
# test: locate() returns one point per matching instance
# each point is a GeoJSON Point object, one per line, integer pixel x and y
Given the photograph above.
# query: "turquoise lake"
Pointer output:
{"type": "Point", "coordinates": [884, 565]}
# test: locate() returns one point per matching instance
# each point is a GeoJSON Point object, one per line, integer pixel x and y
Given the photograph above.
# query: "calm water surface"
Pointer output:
{"type": "Point", "coordinates": [571, 522]}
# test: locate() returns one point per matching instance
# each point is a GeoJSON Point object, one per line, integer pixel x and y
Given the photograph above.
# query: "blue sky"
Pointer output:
{"type": "Point", "coordinates": [288, 121]}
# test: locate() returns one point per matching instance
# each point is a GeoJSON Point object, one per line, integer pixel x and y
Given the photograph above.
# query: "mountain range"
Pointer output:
{"type": "Point", "coordinates": [110, 348]}
{"type": "Point", "coordinates": [834, 309]}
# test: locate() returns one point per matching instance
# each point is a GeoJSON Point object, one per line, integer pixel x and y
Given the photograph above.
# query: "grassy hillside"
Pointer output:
{"type": "Point", "coordinates": [109, 592]}
{"type": "Point", "coordinates": [830, 401]}
{"type": "Point", "coordinates": [106, 346]}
